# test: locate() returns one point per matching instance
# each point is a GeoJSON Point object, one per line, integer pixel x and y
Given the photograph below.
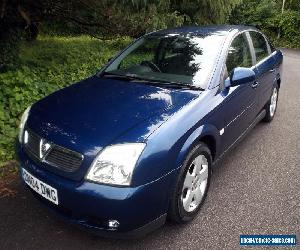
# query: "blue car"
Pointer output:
{"type": "Point", "coordinates": [122, 151]}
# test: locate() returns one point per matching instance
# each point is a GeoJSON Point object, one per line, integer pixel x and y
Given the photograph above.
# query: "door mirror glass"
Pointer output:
{"type": "Point", "coordinates": [240, 76]}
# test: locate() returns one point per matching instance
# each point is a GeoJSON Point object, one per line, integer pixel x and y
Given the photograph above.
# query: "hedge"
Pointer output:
{"type": "Point", "coordinates": [47, 64]}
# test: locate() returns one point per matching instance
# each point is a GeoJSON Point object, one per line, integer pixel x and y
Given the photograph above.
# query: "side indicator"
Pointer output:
{"type": "Point", "coordinates": [222, 131]}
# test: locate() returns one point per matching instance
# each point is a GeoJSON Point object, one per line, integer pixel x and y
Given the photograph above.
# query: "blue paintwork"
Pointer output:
{"type": "Point", "coordinates": [241, 76]}
{"type": "Point", "coordinates": [94, 113]}
{"type": "Point", "coordinates": [97, 112]}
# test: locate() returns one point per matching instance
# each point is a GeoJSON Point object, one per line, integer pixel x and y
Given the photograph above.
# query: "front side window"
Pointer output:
{"type": "Point", "coordinates": [260, 45]}
{"type": "Point", "coordinates": [239, 54]}
{"type": "Point", "coordinates": [186, 59]}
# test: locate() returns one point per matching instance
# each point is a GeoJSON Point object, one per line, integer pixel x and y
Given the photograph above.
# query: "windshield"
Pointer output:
{"type": "Point", "coordinates": [181, 59]}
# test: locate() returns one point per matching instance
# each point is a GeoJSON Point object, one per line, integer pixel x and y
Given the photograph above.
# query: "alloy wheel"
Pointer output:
{"type": "Point", "coordinates": [195, 183]}
{"type": "Point", "coordinates": [273, 103]}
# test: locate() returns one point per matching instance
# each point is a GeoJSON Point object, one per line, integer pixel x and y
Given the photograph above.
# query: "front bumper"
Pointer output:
{"type": "Point", "coordinates": [138, 210]}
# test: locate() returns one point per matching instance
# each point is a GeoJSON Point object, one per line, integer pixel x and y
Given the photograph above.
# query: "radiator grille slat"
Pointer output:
{"type": "Point", "coordinates": [57, 156]}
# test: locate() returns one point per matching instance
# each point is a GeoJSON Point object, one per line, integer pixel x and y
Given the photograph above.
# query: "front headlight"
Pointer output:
{"type": "Point", "coordinates": [22, 123]}
{"type": "Point", "coordinates": [115, 164]}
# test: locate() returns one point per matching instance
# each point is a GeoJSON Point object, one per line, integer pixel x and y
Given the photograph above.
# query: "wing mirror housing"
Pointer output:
{"type": "Point", "coordinates": [240, 76]}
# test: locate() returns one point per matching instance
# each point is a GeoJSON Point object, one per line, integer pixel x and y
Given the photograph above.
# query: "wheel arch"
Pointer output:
{"type": "Point", "coordinates": [278, 82]}
{"type": "Point", "coordinates": [207, 134]}
{"type": "Point", "coordinates": [210, 141]}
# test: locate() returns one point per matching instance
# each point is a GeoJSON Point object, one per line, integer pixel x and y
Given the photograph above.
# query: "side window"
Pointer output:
{"type": "Point", "coordinates": [260, 45]}
{"type": "Point", "coordinates": [239, 54]}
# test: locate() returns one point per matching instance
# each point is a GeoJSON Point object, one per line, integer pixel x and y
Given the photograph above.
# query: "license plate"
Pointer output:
{"type": "Point", "coordinates": [40, 187]}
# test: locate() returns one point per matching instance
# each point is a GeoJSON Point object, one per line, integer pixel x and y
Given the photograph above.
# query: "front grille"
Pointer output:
{"type": "Point", "coordinates": [67, 160]}
{"type": "Point", "coordinates": [56, 156]}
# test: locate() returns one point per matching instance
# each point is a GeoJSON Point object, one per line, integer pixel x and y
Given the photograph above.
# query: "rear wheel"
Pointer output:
{"type": "Point", "coordinates": [271, 105]}
{"type": "Point", "coordinates": [192, 185]}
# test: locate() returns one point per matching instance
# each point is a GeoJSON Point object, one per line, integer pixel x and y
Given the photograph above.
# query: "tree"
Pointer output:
{"type": "Point", "coordinates": [273, 17]}
{"type": "Point", "coordinates": [133, 16]}
{"type": "Point", "coordinates": [205, 12]}
{"type": "Point", "coordinates": [105, 18]}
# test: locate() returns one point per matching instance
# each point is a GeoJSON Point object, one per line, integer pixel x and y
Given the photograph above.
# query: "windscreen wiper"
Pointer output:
{"type": "Point", "coordinates": [181, 85]}
{"type": "Point", "coordinates": [149, 81]}
{"type": "Point", "coordinates": [127, 77]}
{"type": "Point", "coordinates": [170, 84]}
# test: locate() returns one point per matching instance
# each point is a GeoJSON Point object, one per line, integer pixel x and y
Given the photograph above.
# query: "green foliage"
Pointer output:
{"type": "Point", "coordinates": [110, 20]}
{"type": "Point", "coordinates": [205, 12]}
{"type": "Point", "coordinates": [289, 25]}
{"type": "Point", "coordinates": [282, 28]}
{"type": "Point", "coordinates": [48, 64]}
{"type": "Point", "coordinates": [115, 17]}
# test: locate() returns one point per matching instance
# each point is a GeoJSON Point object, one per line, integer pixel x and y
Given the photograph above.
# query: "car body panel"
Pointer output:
{"type": "Point", "coordinates": [241, 99]}
{"type": "Point", "coordinates": [183, 126]}
{"type": "Point", "coordinates": [265, 79]}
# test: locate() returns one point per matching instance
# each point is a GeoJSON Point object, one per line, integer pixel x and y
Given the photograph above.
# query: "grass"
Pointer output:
{"type": "Point", "coordinates": [47, 64]}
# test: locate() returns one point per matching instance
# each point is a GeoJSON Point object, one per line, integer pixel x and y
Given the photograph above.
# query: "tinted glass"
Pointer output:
{"type": "Point", "coordinates": [187, 59]}
{"type": "Point", "coordinates": [239, 54]}
{"type": "Point", "coordinates": [141, 53]}
{"type": "Point", "coordinates": [260, 46]}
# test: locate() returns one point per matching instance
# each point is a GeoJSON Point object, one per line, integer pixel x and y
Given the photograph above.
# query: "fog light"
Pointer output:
{"type": "Point", "coordinates": [113, 224]}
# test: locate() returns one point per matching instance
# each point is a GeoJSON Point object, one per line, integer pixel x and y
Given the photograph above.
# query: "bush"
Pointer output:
{"type": "Point", "coordinates": [289, 24]}
{"type": "Point", "coordinates": [48, 64]}
{"type": "Point", "coordinates": [266, 15]}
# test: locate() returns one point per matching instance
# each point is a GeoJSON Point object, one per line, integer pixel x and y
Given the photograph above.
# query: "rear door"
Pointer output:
{"type": "Point", "coordinates": [264, 67]}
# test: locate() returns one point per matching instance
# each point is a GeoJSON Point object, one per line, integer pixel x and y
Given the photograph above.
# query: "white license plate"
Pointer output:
{"type": "Point", "coordinates": [40, 187]}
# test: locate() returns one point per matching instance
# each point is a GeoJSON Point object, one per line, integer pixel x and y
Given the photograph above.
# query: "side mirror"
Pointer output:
{"type": "Point", "coordinates": [240, 76]}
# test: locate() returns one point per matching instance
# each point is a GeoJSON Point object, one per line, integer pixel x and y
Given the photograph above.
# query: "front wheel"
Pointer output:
{"type": "Point", "coordinates": [192, 185]}
{"type": "Point", "coordinates": [271, 105]}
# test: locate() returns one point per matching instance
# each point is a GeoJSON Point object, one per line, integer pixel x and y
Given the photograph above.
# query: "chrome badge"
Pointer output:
{"type": "Point", "coordinates": [44, 148]}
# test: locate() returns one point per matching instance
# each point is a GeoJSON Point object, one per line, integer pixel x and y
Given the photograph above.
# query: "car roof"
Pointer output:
{"type": "Point", "coordinates": [204, 30]}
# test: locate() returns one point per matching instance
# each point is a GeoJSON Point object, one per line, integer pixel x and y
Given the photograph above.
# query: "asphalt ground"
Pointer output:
{"type": "Point", "coordinates": [255, 190]}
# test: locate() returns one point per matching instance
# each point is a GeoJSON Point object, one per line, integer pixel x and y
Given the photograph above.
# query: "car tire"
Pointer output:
{"type": "Point", "coordinates": [271, 105]}
{"type": "Point", "coordinates": [193, 181]}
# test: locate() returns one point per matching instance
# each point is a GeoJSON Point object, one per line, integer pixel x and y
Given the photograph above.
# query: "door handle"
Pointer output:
{"type": "Point", "coordinates": [255, 84]}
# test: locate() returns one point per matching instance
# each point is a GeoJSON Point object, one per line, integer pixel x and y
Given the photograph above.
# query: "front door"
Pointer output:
{"type": "Point", "coordinates": [239, 101]}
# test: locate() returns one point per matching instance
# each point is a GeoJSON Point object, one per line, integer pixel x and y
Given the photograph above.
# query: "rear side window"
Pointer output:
{"type": "Point", "coordinates": [260, 46]}
{"type": "Point", "coordinates": [239, 54]}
